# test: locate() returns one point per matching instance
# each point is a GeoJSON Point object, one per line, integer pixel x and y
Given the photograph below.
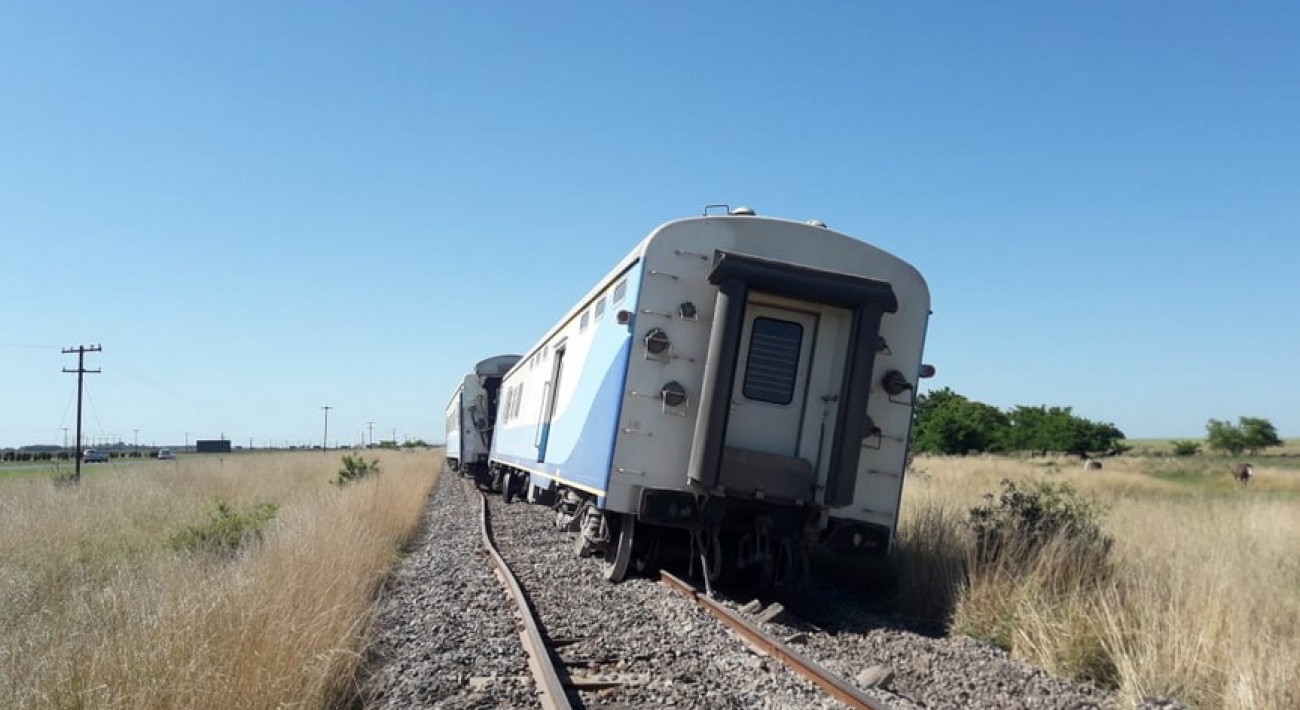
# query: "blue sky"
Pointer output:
{"type": "Point", "coordinates": [262, 208]}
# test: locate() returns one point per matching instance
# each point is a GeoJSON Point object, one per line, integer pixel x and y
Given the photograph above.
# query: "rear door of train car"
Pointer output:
{"type": "Point", "coordinates": [785, 394]}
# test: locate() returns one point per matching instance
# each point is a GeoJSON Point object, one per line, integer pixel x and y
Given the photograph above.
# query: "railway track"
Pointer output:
{"type": "Point", "coordinates": [446, 636]}
{"type": "Point", "coordinates": [552, 679]}
{"type": "Point", "coordinates": [550, 689]}
{"type": "Point", "coordinates": [834, 684]}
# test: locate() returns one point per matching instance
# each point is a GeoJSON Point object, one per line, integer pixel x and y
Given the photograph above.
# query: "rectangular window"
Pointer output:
{"type": "Point", "coordinates": [600, 307]}
{"type": "Point", "coordinates": [620, 291]}
{"type": "Point", "coordinates": [772, 368]}
{"type": "Point", "coordinates": [582, 322]}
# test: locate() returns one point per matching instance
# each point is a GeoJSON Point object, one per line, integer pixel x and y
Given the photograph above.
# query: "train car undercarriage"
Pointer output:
{"type": "Point", "coordinates": [728, 542]}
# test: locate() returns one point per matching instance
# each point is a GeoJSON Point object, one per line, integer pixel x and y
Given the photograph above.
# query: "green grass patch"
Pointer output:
{"type": "Point", "coordinates": [227, 530]}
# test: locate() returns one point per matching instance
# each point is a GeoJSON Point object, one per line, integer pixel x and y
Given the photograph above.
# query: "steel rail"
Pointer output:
{"type": "Point", "coordinates": [549, 688]}
{"type": "Point", "coordinates": [834, 684]}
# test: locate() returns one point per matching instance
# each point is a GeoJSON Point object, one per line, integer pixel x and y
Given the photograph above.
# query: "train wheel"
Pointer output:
{"type": "Point", "coordinates": [791, 569]}
{"type": "Point", "coordinates": [619, 554]}
{"type": "Point", "coordinates": [511, 486]}
{"type": "Point", "coordinates": [645, 551]}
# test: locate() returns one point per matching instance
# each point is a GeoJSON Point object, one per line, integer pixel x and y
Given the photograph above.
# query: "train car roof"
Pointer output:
{"type": "Point", "coordinates": [640, 249]}
{"type": "Point", "coordinates": [496, 366]}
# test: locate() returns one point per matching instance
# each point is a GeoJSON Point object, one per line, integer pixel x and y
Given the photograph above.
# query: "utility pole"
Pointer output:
{"type": "Point", "coordinates": [81, 371]}
{"type": "Point", "coordinates": [371, 438]}
{"type": "Point", "coordinates": [325, 440]}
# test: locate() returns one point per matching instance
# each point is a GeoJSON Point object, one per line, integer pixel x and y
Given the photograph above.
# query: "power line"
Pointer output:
{"type": "Point", "coordinates": [81, 371]}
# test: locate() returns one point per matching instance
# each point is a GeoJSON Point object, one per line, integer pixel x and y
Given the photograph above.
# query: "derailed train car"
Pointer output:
{"type": "Point", "coordinates": [471, 414]}
{"type": "Point", "coordinates": [737, 384]}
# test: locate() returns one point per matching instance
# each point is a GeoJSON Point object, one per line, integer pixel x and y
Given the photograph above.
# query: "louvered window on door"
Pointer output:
{"type": "Point", "coordinates": [772, 366]}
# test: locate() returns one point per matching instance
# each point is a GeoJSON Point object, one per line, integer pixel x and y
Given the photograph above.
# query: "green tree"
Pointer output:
{"type": "Point", "coordinates": [948, 423]}
{"type": "Point", "coordinates": [1088, 437]}
{"type": "Point", "coordinates": [1044, 429]}
{"type": "Point", "coordinates": [1258, 434]}
{"type": "Point", "coordinates": [1224, 436]}
{"type": "Point", "coordinates": [1248, 434]}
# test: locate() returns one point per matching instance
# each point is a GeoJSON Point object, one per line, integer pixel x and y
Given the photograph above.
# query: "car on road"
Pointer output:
{"type": "Point", "coordinates": [94, 456]}
{"type": "Point", "coordinates": [166, 455]}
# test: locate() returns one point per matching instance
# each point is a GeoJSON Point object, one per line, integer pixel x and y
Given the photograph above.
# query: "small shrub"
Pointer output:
{"type": "Point", "coordinates": [1028, 518]}
{"type": "Point", "coordinates": [354, 469]}
{"type": "Point", "coordinates": [226, 530]}
{"type": "Point", "coordinates": [1186, 448]}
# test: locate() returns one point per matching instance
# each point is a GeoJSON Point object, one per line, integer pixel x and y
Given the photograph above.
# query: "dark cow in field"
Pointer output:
{"type": "Point", "coordinates": [1242, 473]}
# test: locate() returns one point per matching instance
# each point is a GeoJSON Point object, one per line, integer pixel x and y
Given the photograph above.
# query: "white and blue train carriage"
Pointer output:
{"type": "Point", "coordinates": [741, 383]}
{"type": "Point", "coordinates": [471, 414]}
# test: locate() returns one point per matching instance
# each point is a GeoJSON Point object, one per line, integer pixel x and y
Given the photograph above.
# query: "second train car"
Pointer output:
{"type": "Point", "coordinates": [471, 414]}
{"type": "Point", "coordinates": [740, 383]}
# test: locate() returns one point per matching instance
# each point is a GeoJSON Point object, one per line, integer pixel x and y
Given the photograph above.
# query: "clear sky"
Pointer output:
{"type": "Point", "coordinates": [262, 208]}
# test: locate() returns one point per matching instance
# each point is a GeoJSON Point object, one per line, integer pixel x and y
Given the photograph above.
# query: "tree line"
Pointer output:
{"type": "Point", "coordinates": [1249, 435]}
{"type": "Point", "coordinates": [950, 423]}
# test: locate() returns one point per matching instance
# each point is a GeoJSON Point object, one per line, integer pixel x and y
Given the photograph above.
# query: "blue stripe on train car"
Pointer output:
{"type": "Point", "coordinates": [591, 451]}
{"type": "Point", "coordinates": [543, 440]}
{"type": "Point", "coordinates": [580, 438]}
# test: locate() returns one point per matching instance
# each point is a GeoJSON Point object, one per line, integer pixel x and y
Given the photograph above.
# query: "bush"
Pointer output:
{"type": "Point", "coordinates": [226, 531]}
{"type": "Point", "coordinates": [354, 469]}
{"type": "Point", "coordinates": [1038, 556]}
{"type": "Point", "coordinates": [1186, 448]}
{"type": "Point", "coordinates": [1027, 519]}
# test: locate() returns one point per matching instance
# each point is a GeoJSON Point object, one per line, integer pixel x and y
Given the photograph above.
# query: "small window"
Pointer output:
{"type": "Point", "coordinates": [600, 307]}
{"type": "Point", "coordinates": [772, 368]}
{"type": "Point", "coordinates": [620, 291]}
{"type": "Point", "coordinates": [582, 322]}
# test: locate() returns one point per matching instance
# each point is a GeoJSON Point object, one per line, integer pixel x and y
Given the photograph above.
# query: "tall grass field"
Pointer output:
{"type": "Point", "coordinates": [249, 580]}
{"type": "Point", "coordinates": [1196, 597]}
{"type": "Point", "coordinates": [218, 581]}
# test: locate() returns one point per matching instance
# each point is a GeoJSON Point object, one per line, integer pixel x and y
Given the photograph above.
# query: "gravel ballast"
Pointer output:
{"type": "Point", "coordinates": [445, 636]}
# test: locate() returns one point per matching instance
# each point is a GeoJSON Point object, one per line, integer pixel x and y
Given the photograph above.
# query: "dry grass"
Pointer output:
{"type": "Point", "coordinates": [96, 611]}
{"type": "Point", "coordinates": [1201, 601]}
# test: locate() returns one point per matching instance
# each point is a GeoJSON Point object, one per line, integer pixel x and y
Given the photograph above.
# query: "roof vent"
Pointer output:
{"type": "Point", "coordinates": [742, 212]}
{"type": "Point", "coordinates": [816, 223]}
